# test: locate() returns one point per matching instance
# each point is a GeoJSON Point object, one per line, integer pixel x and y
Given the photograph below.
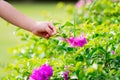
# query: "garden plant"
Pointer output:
{"type": "Point", "coordinates": [86, 46]}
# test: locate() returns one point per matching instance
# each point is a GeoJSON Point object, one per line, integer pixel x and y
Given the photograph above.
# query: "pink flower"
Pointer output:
{"type": "Point", "coordinates": [65, 75]}
{"type": "Point", "coordinates": [88, 1]}
{"type": "Point", "coordinates": [77, 41]}
{"type": "Point", "coordinates": [113, 52]}
{"type": "Point", "coordinates": [80, 3]}
{"type": "Point", "coordinates": [44, 72]}
{"type": "Point", "coordinates": [61, 39]}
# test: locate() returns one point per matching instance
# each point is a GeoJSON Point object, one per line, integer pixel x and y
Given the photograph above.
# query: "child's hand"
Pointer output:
{"type": "Point", "coordinates": [44, 29]}
{"type": "Point", "coordinates": [9, 13]}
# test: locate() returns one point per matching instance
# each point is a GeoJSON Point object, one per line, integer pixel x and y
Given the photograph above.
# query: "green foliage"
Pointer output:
{"type": "Point", "coordinates": [94, 61]}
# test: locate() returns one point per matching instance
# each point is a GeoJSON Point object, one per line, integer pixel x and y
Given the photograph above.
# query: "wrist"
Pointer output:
{"type": "Point", "coordinates": [32, 26]}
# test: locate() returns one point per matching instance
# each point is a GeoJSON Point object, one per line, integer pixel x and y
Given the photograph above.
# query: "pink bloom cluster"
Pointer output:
{"type": "Point", "coordinates": [65, 75]}
{"type": "Point", "coordinates": [77, 41]}
{"type": "Point", "coordinates": [44, 72]}
{"type": "Point", "coordinates": [82, 2]}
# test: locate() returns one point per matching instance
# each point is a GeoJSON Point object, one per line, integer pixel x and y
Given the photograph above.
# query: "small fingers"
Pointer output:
{"type": "Point", "coordinates": [46, 36]}
{"type": "Point", "coordinates": [49, 31]}
{"type": "Point", "coordinates": [51, 26]}
{"type": "Point", "coordinates": [45, 30]}
{"type": "Point", "coordinates": [42, 34]}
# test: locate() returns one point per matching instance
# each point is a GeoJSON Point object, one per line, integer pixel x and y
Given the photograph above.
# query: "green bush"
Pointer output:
{"type": "Point", "coordinates": [99, 59]}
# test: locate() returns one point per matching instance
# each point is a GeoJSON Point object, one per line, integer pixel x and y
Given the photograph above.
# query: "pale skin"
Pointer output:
{"type": "Point", "coordinates": [12, 15]}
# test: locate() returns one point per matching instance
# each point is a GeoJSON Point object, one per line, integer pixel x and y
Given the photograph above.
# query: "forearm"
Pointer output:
{"type": "Point", "coordinates": [9, 13]}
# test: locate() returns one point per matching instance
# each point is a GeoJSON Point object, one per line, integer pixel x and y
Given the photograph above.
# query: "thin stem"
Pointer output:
{"type": "Point", "coordinates": [74, 23]}
{"type": "Point", "coordinates": [91, 6]}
